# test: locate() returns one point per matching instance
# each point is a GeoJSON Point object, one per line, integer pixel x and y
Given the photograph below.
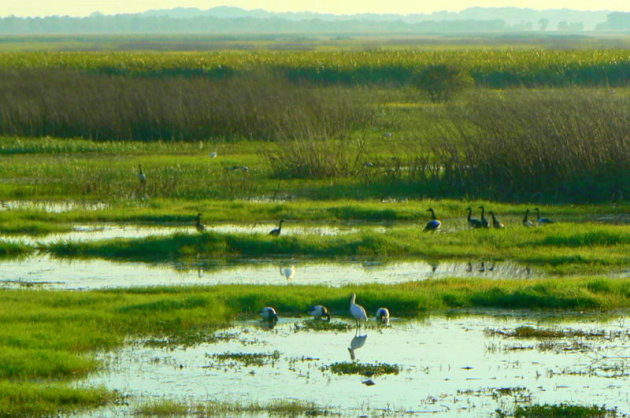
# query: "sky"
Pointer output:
{"type": "Point", "coordinates": [85, 7]}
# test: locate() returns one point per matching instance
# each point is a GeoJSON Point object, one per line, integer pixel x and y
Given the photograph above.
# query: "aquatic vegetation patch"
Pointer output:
{"type": "Point", "coordinates": [247, 359]}
{"type": "Point", "coordinates": [317, 325]}
{"type": "Point", "coordinates": [562, 410]}
{"type": "Point", "coordinates": [531, 332]}
{"type": "Point", "coordinates": [363, 369]}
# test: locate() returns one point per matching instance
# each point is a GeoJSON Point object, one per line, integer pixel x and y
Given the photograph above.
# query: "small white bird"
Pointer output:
{"type": "Point", "coordinates": [357, 342]}
{"type": "Point", "coordinates": [288, 272]}
{"type": "Point", "coordinates": [269, 314]}
{"type": "Point", "coordinates": [382, 315]}
{"type": "Point", "coordinates": [357, 311]}
{"type": "Point", "coordinates": [213, 154]}
{"type": "Point", "coordinates": [320, 312]}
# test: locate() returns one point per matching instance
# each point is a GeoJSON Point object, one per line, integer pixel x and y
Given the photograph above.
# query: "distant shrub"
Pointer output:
{"type": "Point", "coordinates": [442, 81]}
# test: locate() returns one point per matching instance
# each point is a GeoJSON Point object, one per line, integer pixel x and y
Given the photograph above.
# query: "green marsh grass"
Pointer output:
{"type": "Point", "coordinates": [51, 337]}
{"type": "Point", "coordinates": [558, 248]}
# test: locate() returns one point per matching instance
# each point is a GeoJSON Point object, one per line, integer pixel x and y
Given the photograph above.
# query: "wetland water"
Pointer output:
{"type": "Point", "coordinates": [56, 273]}
{"type": "Point", "coordinates": [463, 365]}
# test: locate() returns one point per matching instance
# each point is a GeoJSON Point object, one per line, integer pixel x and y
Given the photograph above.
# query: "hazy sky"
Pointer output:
{"type": "Point", "coordinates": [85, 7]}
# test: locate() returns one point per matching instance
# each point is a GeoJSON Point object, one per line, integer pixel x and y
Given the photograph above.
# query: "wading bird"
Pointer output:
{"type": "Point", "coordinates": [288, 272]}
{"type": "Point", "coordinates": [526, 222]}
{"type": "Point", "coordinates": [540, 220]}
{"type": "Point", "coordinates": [382, 315]}
{"type": "Point", "coordinates": [141, 176]}
{"type": "Point", "coordinates": [320, 312]}
{"type": "Point", "coordinates": [484, 221]}
{"type": "Point", "coordinates": [495, 222]}
{"type": "Point", "coordinates": [357, 311]}
{"type": "Point", "coordinates": [200, 227]}
{"type": "Point", "coordinates": [276, 231]}
{"type": "Point", "coordinates": [475, 223]}
{"type": "Point", "coordinates": [268, 314]}
{"type": "Point", "coordinates": [434, 224]}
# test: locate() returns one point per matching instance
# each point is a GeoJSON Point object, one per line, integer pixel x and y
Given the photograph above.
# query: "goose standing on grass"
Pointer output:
{"type": "Point", "coordinates": [320, 312]}
{"type": "Point", "coordinates": [542, 221]}
{"type": "Point", "coordinates": [200, 227]}
{"type": "Point", "coordinates": [495, 222]}
{"type": "Point", "coordinates": [484, 221]}
{"type": "Point", "coordinates": [268, 314]}
{"type": "Point", "coordinates": [526, 222]}
{"type": "Point", "coordinates": [288, 272]}
{"type": "Point", "coordinates": [434, 224]}
{"type": "Point", "coordinates": [357, 311]}
{"type": "Point", "coordinates": [141, 176]}
{"type": "Point", "coordinates": [276, 231]}
{"type": "Point", "coordinates": [475, 223]}
{"type": "Point", "coordinates": [382, 316]}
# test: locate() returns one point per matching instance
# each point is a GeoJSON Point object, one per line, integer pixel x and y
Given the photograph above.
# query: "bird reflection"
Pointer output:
{"type": "Point", "coordinates": [288, 272]}
{"type": "Point", "coordinates": [356, 342]}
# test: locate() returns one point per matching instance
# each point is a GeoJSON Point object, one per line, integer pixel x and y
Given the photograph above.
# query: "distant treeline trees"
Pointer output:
{"type": "Point", "coordinates": [616, 21]}
{"type": "Point", "coordinates": [205, 24]}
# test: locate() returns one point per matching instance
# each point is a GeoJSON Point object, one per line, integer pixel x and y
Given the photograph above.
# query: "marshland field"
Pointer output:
{"type": "Point", "coordinates": [117, 299]}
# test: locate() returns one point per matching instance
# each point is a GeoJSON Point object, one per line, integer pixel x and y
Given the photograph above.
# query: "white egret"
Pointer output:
{"type": "Point", "coordinates": [357, 311]}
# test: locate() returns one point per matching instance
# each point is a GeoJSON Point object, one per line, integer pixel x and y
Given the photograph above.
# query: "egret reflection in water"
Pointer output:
{"type": "Point", "coordinates": [356, 342]}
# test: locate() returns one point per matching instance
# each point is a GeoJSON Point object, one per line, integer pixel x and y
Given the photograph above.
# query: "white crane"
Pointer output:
{"type": "Point", "coordinates": [357, 311]}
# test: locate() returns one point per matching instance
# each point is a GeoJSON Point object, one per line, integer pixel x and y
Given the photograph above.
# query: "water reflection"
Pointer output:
{"type": "Point", "coordinates": [356, 342]}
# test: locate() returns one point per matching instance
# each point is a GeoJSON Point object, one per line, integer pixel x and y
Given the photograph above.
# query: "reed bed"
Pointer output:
{"type": "Point", "coordinates": [69, 103]}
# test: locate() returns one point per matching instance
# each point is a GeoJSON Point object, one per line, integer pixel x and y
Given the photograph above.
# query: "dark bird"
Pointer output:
{"type": "Point", "coordinates": [475, 223]}
{"type": "Point", "coordinates": [276, 231]}
{"type": "Point", "coordinates": [320, 312]}
{"type": "Point", "coordinates": [495, 222]}
{"type": "Point", "coordinates": [526, 222]}
{"type": "Point", "coordinates": [434, 224]}
{"type": "Point", "coordinates": [200, 227]}
{"type": "Point", "coordinates": [540, 220]}
{"type": "Point", "coordinates": [484, 221]}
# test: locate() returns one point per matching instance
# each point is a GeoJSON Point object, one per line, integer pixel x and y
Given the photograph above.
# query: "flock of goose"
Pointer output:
{"type": "Point", "coordinates": [320, 312]}
{"type": "Point", "coordinates": [434, 224]}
